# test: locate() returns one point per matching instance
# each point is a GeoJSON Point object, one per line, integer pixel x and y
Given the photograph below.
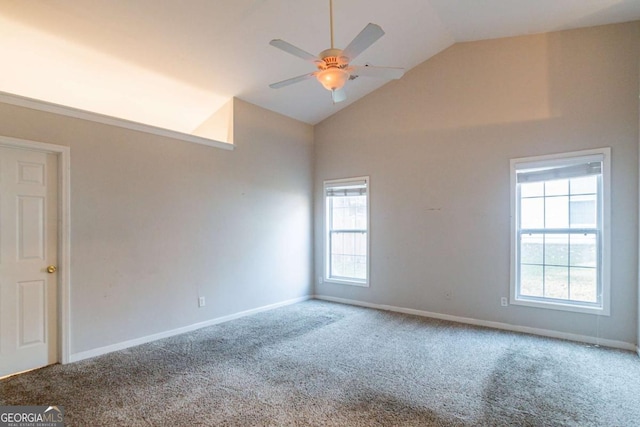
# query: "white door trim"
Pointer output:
{"type": "Point", "coordinates": [63, 155]}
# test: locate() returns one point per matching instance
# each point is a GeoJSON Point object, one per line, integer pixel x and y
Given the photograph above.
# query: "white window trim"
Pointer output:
{"type": "Point", "coordinates": [605, 266]}
{"type": "Point", "coordinates": [327, 278]}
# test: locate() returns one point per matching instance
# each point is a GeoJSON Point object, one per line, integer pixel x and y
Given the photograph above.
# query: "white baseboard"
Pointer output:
{"type": "Point", "coordinates": [496, 325]}
{"type": "Point", "coordinates": [75, 357]}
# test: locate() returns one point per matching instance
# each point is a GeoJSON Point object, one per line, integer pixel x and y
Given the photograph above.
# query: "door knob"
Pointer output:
{"type": "Point", "coordinates": [52, 269]}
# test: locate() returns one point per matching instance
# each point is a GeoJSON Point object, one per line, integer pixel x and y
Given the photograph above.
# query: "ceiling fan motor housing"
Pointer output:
{"type": "Point", "coordinates": [333, 58]}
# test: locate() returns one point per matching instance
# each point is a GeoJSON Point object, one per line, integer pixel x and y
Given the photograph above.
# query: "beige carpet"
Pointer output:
{"type": "Point", "coordinates": [323, 364]}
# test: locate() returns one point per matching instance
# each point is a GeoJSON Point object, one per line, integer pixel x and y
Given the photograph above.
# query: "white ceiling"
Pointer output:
{"type": "Point", "coordinates": [173, 63]}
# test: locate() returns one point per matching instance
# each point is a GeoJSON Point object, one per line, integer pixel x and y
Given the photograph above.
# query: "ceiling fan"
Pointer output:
{"type": "Point", "coordinates": [334, 68]}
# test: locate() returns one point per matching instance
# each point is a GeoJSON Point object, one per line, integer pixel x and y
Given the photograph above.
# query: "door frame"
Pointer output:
{"type": "Point", "coordinates": [63, 155]}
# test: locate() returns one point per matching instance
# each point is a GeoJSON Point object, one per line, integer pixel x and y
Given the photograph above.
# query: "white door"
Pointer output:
{"type": "Point", "coordinates": [28, 246]}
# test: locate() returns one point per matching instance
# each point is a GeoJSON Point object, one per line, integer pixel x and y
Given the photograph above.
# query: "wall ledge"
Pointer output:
{"type": "Point", "coordinates": [35, 104]}
{"type": "Point", "coordinates": [489, 324]}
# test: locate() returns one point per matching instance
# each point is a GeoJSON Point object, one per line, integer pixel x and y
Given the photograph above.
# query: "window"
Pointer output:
{"type": "Point", "coordinates": [347, 231]}
{"type": "Point", "coordinates": [560, 212]}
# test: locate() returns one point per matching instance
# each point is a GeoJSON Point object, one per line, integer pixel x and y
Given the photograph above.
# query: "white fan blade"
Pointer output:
{"type": "Point", "coordinates": [291, 81]}
{"type": "Point", "coordinates": [338, 95]}
{"type": "Point", "coordinates": [368, 36]}
{"type": "Point", "coordinates": [390, 73]}
{"type": "Point", "coordinates": [295, 51]}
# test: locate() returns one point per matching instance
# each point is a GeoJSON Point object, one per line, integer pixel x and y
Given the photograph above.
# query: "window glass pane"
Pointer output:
{"type": "Point", "coordinates": [556, 282]}
{"type": "Point", "coordinates": [340, 213]}
{"type": "Point", "coordinates": [360, 247]}
{"type": "Point", "coordinates": [360, 268]}
{"type": "Point", "coordinates": [583, 250]}
{"type": "Point", "coordinates": [348, 254]}
{"type": "Point", "coordinates": [361, 213]}
{"type": "Point", "coordinates": [532, 213]}
{"type": "Point", "coordinates": [337, 265]}
{"type": "Point", "coordinates": [534, 189]}
{"type": "Point", "coordinates": [583, 211]}
{"type": "Point", "coordinates": [559, 187]}
{"type": "Point", "coordinates": [531, 249]}
{"type": "Point", "coordinates": [349, 213]}
{"type": "Point", "coordinates": [531, 283]}
{"type": "Point", "coordinates": [348, 266]}
{"type": "Point", "coordinates": [583, 284]}
{"type": "Point", "coordinates": [556, 249]}
{"type": "Point", "coordinates": [337, 216]}
{"type": "Point", "coordinates": [344, 244]}
{"type": "Point", "coordinates": [584, 185]}
{"type": "Point", "coordinates": [556, 212]}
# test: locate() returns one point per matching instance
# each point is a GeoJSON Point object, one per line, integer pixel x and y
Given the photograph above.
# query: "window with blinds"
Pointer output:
{"type": "Point", "coordinates": [347, 231]}
{"type": "Point", "coordinates": [558, 249]}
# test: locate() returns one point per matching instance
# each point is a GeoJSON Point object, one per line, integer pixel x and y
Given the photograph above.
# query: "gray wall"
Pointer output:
{"type": "Point", "coordinates": [155, 222]}
{"type": "Point", "coordinates": [437, 145]}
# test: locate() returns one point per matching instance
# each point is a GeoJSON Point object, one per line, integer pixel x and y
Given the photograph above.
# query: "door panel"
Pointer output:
{"type": "Point", "coordinates": [31, 226]}
{"type": "Point", "coordinates": [32, 313]}
{"type": "Point", "coordinates": [28, 244]}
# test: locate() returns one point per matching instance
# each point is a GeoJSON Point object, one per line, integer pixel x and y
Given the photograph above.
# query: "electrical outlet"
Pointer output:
{"type": "Point", "coordinates": [201, 302]}
{"type": "Point", "coordinates": [503, 301]}
{"type": "Point", "coordinates": [447, 295]}
{"type": "Point", "coordinates": [320, 279]}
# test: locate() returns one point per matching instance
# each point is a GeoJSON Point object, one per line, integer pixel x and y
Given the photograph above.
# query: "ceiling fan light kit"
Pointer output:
{"type": "Point", "coordinates": [333, 78]}
{"type": "Point", "coordinates": [333, 65]}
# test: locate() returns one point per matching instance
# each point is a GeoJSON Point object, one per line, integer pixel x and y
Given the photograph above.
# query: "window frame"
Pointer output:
{"type": "Point", "coordinates": [603, 231]}
{"type": "Point", "coordinates": [326, 230]}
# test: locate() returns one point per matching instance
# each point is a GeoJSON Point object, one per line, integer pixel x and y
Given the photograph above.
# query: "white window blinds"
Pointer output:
{"type": "Point", "coordinates": [591, 165]}
{"type": "Point", "coordinates": [346, 189]}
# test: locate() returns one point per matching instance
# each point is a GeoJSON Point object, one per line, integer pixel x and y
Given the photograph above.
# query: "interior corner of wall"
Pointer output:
{"type": "Point", "coordinates": [219, 125]}
{"type": "Point", "coordinates": [231, 119]}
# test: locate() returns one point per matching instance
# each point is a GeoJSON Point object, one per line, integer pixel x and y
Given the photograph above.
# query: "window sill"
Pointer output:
{"type": "Point", "coordinates": [347, 282]}
{"type": "Point", "coordinates": [600, 311]}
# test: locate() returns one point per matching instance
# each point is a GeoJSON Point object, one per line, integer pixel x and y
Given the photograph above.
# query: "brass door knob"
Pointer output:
{"type": "Point", "coordinates": [52, 269]}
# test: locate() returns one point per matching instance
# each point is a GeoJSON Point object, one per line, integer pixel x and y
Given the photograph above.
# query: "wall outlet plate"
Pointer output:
{"type": "Point", "coordinates": [504, 302]}
{"type": "Point", "coordinates": [201, 302]}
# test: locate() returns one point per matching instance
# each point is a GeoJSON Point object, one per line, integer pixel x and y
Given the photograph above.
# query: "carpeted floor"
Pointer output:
{"type": "Point", "coordinates": [324, 364]}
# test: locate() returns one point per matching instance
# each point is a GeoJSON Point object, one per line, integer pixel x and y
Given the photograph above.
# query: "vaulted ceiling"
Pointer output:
{"type": "Point", "coordinates": [174, 63]}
